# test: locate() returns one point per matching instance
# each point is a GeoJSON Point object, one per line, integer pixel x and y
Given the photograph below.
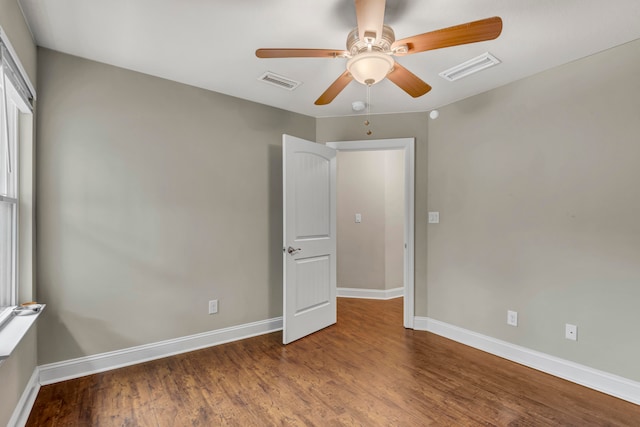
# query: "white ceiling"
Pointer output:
{"type": "Point", "coordinates": [211, 43]}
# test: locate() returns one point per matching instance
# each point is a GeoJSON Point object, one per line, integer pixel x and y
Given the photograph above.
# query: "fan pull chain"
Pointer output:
{"type": "Point", "coordinates": [367, 122]}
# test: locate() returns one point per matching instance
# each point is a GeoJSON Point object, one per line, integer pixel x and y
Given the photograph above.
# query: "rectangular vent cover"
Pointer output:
{"type": "Point", "coordinates": [280, 81]}
{"type": "Point", "coordinates": [472, 66]}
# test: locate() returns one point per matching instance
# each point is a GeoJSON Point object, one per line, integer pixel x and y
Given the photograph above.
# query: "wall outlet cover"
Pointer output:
{"type": "Point", "coordinates": [571, 332]}
{"type": "Point", "coordinates": [512, 318]}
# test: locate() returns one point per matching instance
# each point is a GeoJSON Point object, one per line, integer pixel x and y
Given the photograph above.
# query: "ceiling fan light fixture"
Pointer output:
{"type": "Point", "coordinates": [372, 44]}
{"type": "Point", "coordinates": [369, 68]}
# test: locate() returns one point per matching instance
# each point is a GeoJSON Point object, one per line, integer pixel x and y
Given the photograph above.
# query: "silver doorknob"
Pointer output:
{"type": "Point", "coordinates": [292, 251]}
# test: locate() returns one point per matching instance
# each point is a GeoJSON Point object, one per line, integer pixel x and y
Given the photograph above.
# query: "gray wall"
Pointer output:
{"type": "Point", "coordinates": [154, 197]}
{"type": "Point", "coordinates": [394, 219]}
{"type": "Point", "coordinates": [16, 371]}
{"type": "Point", "coordinates": [537, 187]}
{"type": "Point", "coordinates": [15, 26]}
{"type": "Point", "coordinates": [370, 253]}
{"type": "Point", "coordinates": [413, 125]}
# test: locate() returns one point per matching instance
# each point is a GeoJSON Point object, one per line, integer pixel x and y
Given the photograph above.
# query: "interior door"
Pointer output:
{"type": "Point", "coordinates": [309, 237]}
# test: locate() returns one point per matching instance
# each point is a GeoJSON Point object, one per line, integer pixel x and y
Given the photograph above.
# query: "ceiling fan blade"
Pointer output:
{"type": "Point", "coordinates": [471, 32]}
{"type": "Point", "coordinates": [408, 81]}
{"type": "Point", "coordinates": [335, 88]}
{"type": "Point", "coordinates": [370, 17]}
{"type": "Point", "coordinates": [300, 53]}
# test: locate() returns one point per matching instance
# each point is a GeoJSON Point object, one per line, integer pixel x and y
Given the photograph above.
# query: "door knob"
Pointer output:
{"type": "Point", "coordinates": [292, 251]}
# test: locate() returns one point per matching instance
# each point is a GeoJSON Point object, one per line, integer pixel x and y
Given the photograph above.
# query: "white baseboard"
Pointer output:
{"type": "Point", "coordinates": [28, 398]}
{"type": "Point", "coordinates": [370, 293]}
{"type": "Point", "coordinates": [604, 382]}
{"type": "Point", "coordinates": [68, 369]}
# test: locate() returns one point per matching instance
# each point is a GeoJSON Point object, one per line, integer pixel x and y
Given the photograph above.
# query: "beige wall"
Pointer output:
{"type": "Point", "coordinates": [370, 253]}
{"type": "Point", "coordinates": [15, 26]}
{"type": "Point", "coordinates": [413, 125]}
{"type": "Point", "coordinates": [16, 371]}
{"type": "Point", "coordinates": [394, 219]}
{"type": "Point", "coordinates": [154, 197]}
{"type": "Point", "coordinates": [537, 187]}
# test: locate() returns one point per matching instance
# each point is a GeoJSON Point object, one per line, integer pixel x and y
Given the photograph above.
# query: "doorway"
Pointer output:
{"type": "Point", "coordinates": [405, 148]}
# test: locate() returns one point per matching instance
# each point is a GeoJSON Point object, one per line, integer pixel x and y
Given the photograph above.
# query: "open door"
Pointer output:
{"type": "Point", "coordinates": [309, 237]}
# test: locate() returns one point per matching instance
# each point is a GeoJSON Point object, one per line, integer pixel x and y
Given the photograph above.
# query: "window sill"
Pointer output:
{"type": "Point", "coordinates": [13, 331]}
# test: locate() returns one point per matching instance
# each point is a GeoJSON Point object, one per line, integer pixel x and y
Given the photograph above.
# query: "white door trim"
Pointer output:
{"type": "Point", "coordinates": [408, 145]}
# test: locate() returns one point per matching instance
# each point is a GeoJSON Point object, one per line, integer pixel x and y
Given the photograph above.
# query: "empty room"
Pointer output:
{"type": "Point", "coordinates": [348, 212]}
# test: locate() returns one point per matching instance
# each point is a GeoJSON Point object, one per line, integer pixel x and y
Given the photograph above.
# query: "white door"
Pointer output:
{"type": "Point", "coordinates": [309, 237]}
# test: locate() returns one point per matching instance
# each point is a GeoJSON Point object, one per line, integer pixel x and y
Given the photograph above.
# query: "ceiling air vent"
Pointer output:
{"type": "Point", "coordinates": [472, 66]}
{"type": "Point", "coordinates": [280, 81]}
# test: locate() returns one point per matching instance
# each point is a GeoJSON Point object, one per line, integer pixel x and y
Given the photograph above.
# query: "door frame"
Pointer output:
{"type": "Point", "coordinates": [408, 145]}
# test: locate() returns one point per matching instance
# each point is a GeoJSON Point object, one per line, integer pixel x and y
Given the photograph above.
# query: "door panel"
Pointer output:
{"type": "Point", "coordinates": [309, 258]}
{"type": "Point", "coordinates": [312, 189]}
{"type": "Point", "coordinates": [313, 280]}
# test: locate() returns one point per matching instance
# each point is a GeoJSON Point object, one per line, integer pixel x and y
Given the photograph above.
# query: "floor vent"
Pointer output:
{"type": "Point", "coordinates": [472, 66]}
{"type": "Point", "coordinates": [280, 81]}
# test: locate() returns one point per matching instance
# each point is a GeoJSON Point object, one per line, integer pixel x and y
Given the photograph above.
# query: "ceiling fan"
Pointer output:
{"type": "Point", "coordinates": [372, 45]}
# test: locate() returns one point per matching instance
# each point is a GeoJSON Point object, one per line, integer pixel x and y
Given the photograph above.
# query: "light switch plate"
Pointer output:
{"type": "Point", "coordinates": [213, 306]}
{"type": "Point", "coordinates": [434, 217]}
{"type": "Point", "coordinates": [358, 218]}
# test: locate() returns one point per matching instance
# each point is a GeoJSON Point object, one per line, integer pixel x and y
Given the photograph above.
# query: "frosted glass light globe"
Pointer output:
{"type": "Point", "coordinates": [370, 67]}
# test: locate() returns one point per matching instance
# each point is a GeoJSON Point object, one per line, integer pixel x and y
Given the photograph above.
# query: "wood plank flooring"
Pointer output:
{"type": "Point", "coordinates": [365, 371]}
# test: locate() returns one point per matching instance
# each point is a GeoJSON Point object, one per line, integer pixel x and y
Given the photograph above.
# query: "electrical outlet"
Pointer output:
{"type": "Point", "coordinates": [512, 318]}
{"type": "Point", "coordinates": [571, 332]}
{"type": "Point", "coordinates": [213, 306]}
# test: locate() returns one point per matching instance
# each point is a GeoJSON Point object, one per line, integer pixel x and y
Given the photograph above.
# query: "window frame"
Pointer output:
{"type": "Point", "coordinates": [16, 84]}
{"type": "Point", "coordinates": [11, 106]}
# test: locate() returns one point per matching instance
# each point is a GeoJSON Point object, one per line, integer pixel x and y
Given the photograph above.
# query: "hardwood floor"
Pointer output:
{"type": "Point", "coordinates": [365, 371]}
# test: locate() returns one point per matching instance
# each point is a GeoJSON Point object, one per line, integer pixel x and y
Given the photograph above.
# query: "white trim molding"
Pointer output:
{"type": "Point", "coordinates": [13, 330]}
{"type": "Point", "coordinates": [408, 145]}
{"type": "Point", "coordinates": [604, 382]}
{"type": "Point", "coordinates": [75, 368]}
{"type": "Point", "coordinates": [16, 59]}
{"type": "Point", "coordinates": [371, 293]}
{"type": "Point", "coordinates": [23, 408]}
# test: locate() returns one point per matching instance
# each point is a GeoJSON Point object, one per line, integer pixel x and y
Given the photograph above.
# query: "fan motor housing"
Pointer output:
{"type": "Point", "coordinates": [383, 44]}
